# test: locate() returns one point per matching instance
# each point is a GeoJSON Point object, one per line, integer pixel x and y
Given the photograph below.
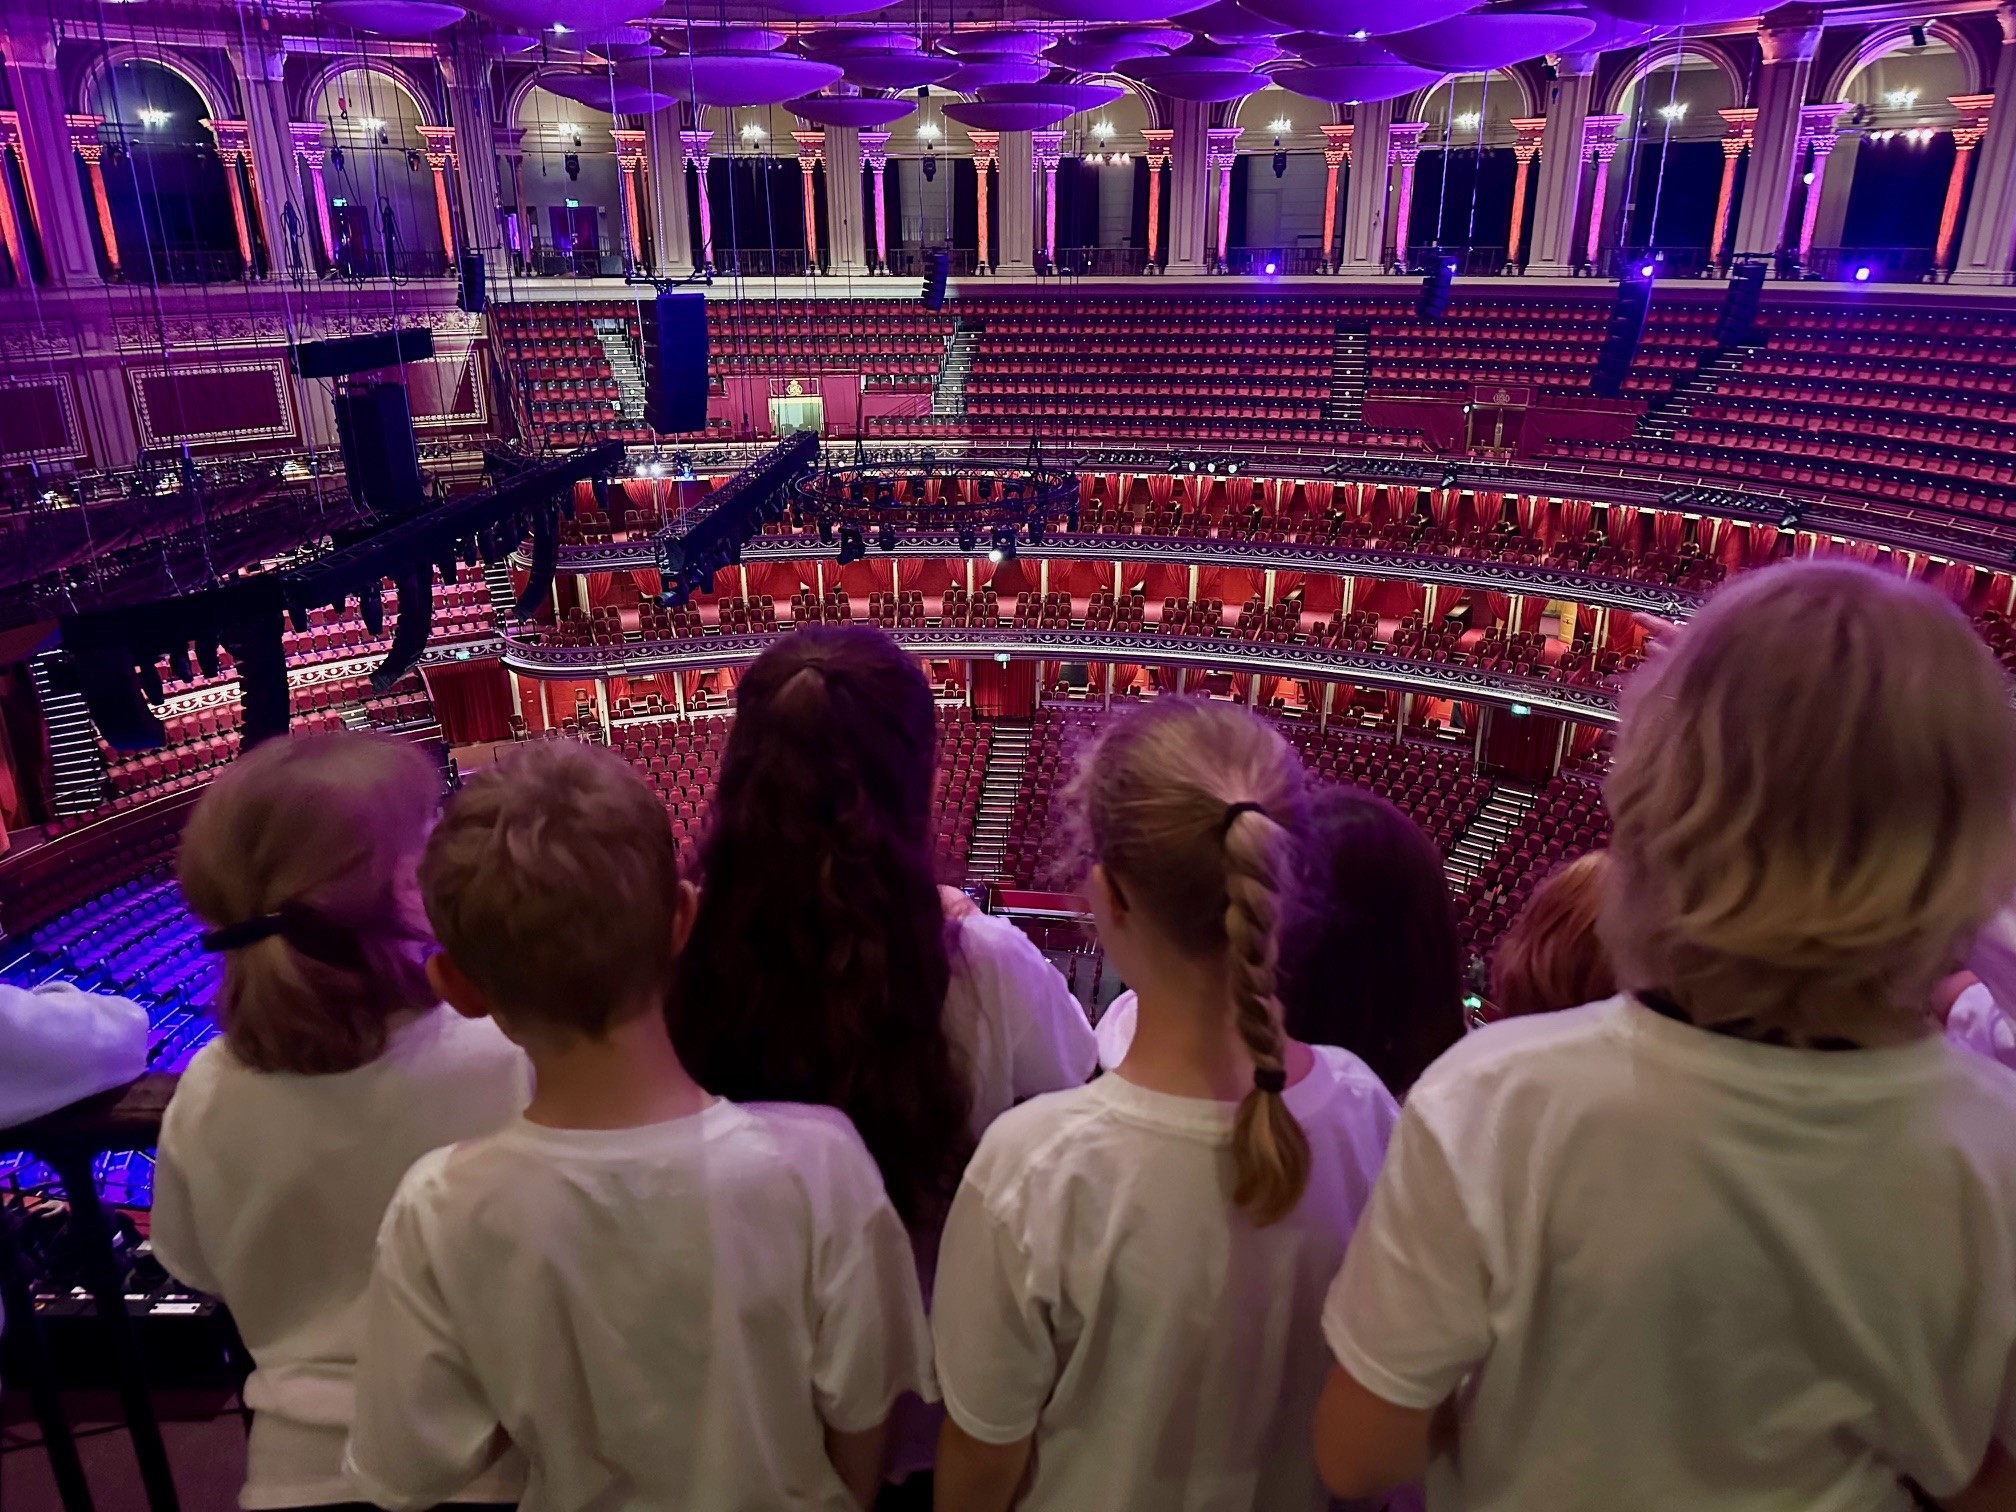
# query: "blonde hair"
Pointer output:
{"type": "Point", "coordinates": [1813, 804]}
{"type": "Point", "coordinates": [552, 882]}
{"type": "Point", "coordinates": [1190, 808]}
{"type": "Point", "coordinates": [317, 836]}
{"type": "Point", "coordinates": [1552, 957]}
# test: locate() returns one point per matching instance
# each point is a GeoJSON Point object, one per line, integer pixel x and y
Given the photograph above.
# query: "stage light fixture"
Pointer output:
{"type": "Point", "coordinates": [1002, 548]}
{"type": "Point", "coordinates": [852, 546]}
{"type": "Point", "coordinates": [969, 539]}
{"type": "Point", "coordinates": [886, 537]}
{"type": "Point", "coordinates": [1862, 273]}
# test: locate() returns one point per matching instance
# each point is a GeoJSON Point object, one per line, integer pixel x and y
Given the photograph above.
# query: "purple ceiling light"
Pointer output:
{"type": "Point", "coordinates": [510, 44]}
{"type": "Point", "coordinates": [1158, 38]}
{"type": "Point", "coordinates": [393, 18]}
{"type": "Point", "coordinates": [850, 110]}
{"type": "Point", "coordinates": [970, 77]}
{"type": "Point", "coordinates": [829, 41]}
{"type": "Point", "coordinates": [1070, 97]}
{"type": "Point", "coordinates": [1485, 40]}
{"type": "Point", "coordinates": [541, 15]}
{"type": "Point", "coordinates": [1097, 57]}
{"type": "Point", "coordinates": [990, 45]}
{"type": "Point", "coordinates": [719, 39]}
{"type": "Point", "coordinates": [599, 91]}
{"type": "Point", "coordinates": [983, 116]}
{"type": "Point", "coordinates": [1230, 21]}
{"type": "Point", "coordinates": [732, 78]}
{"type": "Point", "coordinates": [1355, 85]}
{"type": "Point", "coordinates": [1117, 10]}
{"type": "Point", "coordinates": [1196, 79]}
{"type": "Point", "coordinates": [1339, 52]}
{"type": "Point", "coordinates": [1677, 13]}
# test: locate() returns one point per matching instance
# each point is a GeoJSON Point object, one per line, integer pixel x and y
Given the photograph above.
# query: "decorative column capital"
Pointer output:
{"type": "Point", "coordinates": [10, 129]}
{"type": "Point", "coordinates": [1223, 146]}
{"type": "Point", "coordinates": [1047, 148]}
{"type": "Point", "coordinates": [1820, 126]}
{"type": "Point", "coordinates": [1530, 129]}
{"type": "Point", "coordinates": [1572, 65]}
{"type": "Point", "coordinates": [811, 148]}
{"type": "Point", "coordinates": [1792, 40]}
{"type": "Point", "coordinates": [440, 142]}
{"type": "Point", "coordinates": [986, 148]}
{"type": "Point", "coordinates": [1974, 111]}
{"type": "Point", "coordinates": [875, 149]}
{"type": "Point", "coordinates": [1337, 145]}
{"type": "Point", "coordinates": [631, 148]}
{"type": "Point", "coordinates": [1599, 136]}
{"type": "Point", "coordinates": [693, 146]}
{"type": "Point", "coordinates": [306, 138]}
{"type": "Point", "coordinates": [1161, 142]}
{"type": "Point", "coordinates": [84, 136]}
{"type": "Point", "coordinates": [1739, 129]}
{"type": "Point", "coordinates": [1403, 143]}
{"type": "Point", "coordinates": [234, 138]}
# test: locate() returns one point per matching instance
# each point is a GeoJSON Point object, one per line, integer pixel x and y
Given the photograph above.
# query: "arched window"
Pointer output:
{"type": "Point", "coordinates": [1462, 204]}
{"type": "Point", "coordinates": [569, 193]}
{"type": "Point", "coordinates": [1667, 175]}
{"type": "Point", "coordinates": [382, 208]}
{"type": "Point", "coordinates": [171, 206]}
{"type": "Point", "coordinates": [1884, 190]}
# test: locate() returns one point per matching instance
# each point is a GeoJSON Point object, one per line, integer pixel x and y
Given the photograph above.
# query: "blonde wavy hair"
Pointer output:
{"type": "Point", "coordinates": [1192, 809]}
{"type": "Point", "coordinates": [323, 832]}
{"type": "Point", "coordinates": [1813, 805]}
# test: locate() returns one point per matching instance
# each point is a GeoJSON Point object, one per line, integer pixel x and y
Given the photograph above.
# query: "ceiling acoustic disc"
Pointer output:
{"type": "Point", "coordinates": [1072, 97]}
{"type": "Point", "coordinates": [733, 78]}
{"type": "Point", "coordinates": [969, 78]}
{"type": "Point", "coordinates": [1484, 40]}
{"type": "Point", "coordinates": [1355, 85]}
{"type": "Point", "coordinates": [893, 70]}
{"type": "Point", "coordinates": [858, 111]}
{"type": "Point", "coordinates": [1343, 18]}
{"type": "Point", "coordinates": [995, 44]}
{"type": "Point", "coordinates": [983, 116]}
{"type": "Point", "coordinates": [393, 18]}
{"type": "Point", "coordinates": [1118, 10]}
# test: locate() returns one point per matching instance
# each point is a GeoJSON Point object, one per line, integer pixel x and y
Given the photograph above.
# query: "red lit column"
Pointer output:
{"type": "Point", "coordinates": [84, 142]}
{"type": "Point", "coordinates": [1820, 135]}
{"type": "Point", "coordinates": [630, 145]}
{"type": "Point", "coordinates": [875, 153]}
{"type": "Point", "coordinates": [233, 143]}
{"type": "Point", "coordinates": [1336, 153]}
{"type": "Point", "coordinates": [1739, 129]}
{"type": "Point", "coordinates": [1599, 139]}
{"type": "Point", "coordinates": [1974, 111]}
{"type": "Point", "coordinates": [307, 138]}
{"type": "Point", "coordinates": [693, 148]}
{"type": "Point", "coordinates": [1775, 148]}
{"type": "Point", "coordinates": [1558, 193]}
{"type": "Point", "coordinates": [811, 152]}
{"type": "Point", "coordinates": [1524, 150]}
{"type": "Point", "coordinates": [10, 225]}
{"type": "Point", "coordinates": [1224, 152]}
{"type": "Point", "coordinates": [1403, 152]}
{"type": "Point", "coordinates": [986, 153]}
{"type": "Point", "coordinates": [1158, 140]}
{"type": "Point", "coordinates": [1048, 148]}
{"type": "Point", "coordinates": [440, 159]}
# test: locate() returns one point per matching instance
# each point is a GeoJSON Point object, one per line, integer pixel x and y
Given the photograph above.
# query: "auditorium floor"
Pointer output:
{"type": "Point", "coordinates": [208, 1456]}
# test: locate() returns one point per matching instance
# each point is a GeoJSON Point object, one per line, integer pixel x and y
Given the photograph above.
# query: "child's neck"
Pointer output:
{"type": "Point", "coordinates": [628, 1078]}
{"type": "Point", "coordinates": [1185, 1041]}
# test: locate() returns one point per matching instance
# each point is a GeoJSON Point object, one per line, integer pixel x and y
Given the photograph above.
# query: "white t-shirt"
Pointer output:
{"type": "Point", "coordinates": [1011, 1011]}
{"type": "Point", "coordinates": [1663, 1268]}
{"type": "Point", "coordinates": [1978, 1023]}
{"type": "Point", "coordinates": [268, 1193]}
{"type": "Point", "coordinates": [58, 1044]}
{"type": "Point", "coordinates": [1098, 1289]}
{"type": "Point", "coordinates": [661, 1317]}
{"type": "Point", "coordinates": [1115, 1030]}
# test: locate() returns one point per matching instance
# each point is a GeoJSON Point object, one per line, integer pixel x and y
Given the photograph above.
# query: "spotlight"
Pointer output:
{"type": "Point", "coordinates": [1646, 270]}
{"type": "Point", "coordinates": [969, 539]}
{"type": "Point", "coordinates": [1918, 36]}
{"type": "Point", "coordinates": [1270, 267]}
{"type": "Point", "coordinates": [1002, 548]}
{"type": "Point", "coordinates": [1035, 530]}
{"type": "Point", "coordinates": [1862, 272]}
{"type": "Point", "coordinates": [825, 531]}
{"type": "Point", "coordinates": [886, 536]}
{"type": "Point", "coordinates": [852, 546]}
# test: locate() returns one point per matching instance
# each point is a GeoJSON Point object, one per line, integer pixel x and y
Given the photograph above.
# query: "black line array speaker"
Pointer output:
{"type": "Point", "coordinates": [360, 354]}
{"type": "Point", "coordinates": [675, 363]}
{"type": "Point", "coordinates": [937, 271]}
{"type": "Point", "coordinates": [1433, 303]}
{"type": "Point", "coordinates": [475, 293]}
{"type": "Point", "coordinates": [1620, 339]}
{"type": "Point", "coordinates": [375, 428]}
{"type": "Point", "coordinates": [1739, 305]}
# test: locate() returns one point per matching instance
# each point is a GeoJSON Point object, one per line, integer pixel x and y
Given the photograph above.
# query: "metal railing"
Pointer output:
{"type": "Point", "coordinates": [1882, 265]}
{"type": "Point", "coordinates": [1472, 259]}
{"type": "Point", "coordinates": [1266, 262]}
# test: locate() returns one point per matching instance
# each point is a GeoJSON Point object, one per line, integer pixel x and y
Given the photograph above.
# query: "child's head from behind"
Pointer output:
{"type": "Point", "coordinates": [1553, 957]}
{"type": "Point", "coordinates": [300, 860]}
{"type": "Point", "coordinates": [1813, 804]}
{"type": "Point", "coordinates": [1191, 811]}
{"type": "Point", "coordinates": [552, 882]}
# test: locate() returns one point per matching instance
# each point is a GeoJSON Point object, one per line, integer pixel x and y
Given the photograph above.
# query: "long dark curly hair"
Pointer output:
{"type": "Point", "coordinates": [819, 963]}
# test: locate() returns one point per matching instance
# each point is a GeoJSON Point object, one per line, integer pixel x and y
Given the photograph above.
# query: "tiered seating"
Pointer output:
{"type": "Point", "coordinates": [1182, 617]}
{"type": "Point", "coordinates": [1037, 853]}
{"type": "Point", "coordinates": [896, 611]}
{"type": "Point", "coordinates": [561, 370]}
{"type": "Point", "coordinates": [1566, 820]}
{"type": "Point", "coordinates": [1280, 624]}
{"type": "Point", "coordinates": [1552, 344]}
{"type": "Point", "coordinates": [2000, 634]}
{"type": "Point", "coordinates": [808, 608]}
{"type": "Point", "coordinates": [1043, 611]}
{"type": "Point", "coordinates": [756, 615]}
{"type": "Point", "coordinates": [974, 610]}
{"type": "Point", "coordinates": [656, 622]}
{"type": "Point", "coordinates": [890, 342]}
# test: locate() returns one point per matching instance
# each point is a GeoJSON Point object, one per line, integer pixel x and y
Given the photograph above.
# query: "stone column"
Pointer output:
{"type": "Point", "coordinates": [1018, 204]}
{"type": "Point", "coordinates": [875, 153]}
{"type": "Point", "coordinates": [1774, 153]}
{"type": "Point", "coordinates": [440, 149]}
{"type": "Point", "coordinates": [1224, 142]}
{"type": "Point", "coordinates": [1336, 153]}
{"type": "Point", "coordinates": [84, 142]}
{"type": "Point", "coordinates": [510, 145]}
{"type": "Point", "coordinates": [55, 201]}
{"type": "Point", "coordinates": [1364, 248]}
{"type": "Point", "coordinates": [1739, 129]}
{"type": "Point", "coordinates": [1403, 153]}
{"type": "Point", "coordinates": [231, 147]}
{"type": "Point", "coordinates": [1559, 192]}
{"type": "Point", "coordinates": [306, 139]}
{"type": "Point", "coordinates": [1974, 112]}
{"type": "Point", "coordinates": [476, 156]}
{"type": "Point", "coordinates": [843, 201]}
{"type": "Point", "coordinates": [10, 225]}
{"type": "Point", "coordinates": [811, 152]}
{"type": "Point", "coordinates": [693, 146]}
{"type": "Point", "coordinates": [986, 155]}
{"type": "Point", "coordinates": [1819, 133]}
{"type": "Point", "coordinates": [1190, 189]}
{"type": "Point", "coordinates": [1599, 136]}
{"type": "Point", "coordinates": [269, 149]}
{"type": "Point", "coordinates": [665, 194]}
{"type": "Point", "coordinates": [1988, 238]}
{"type": "Point", "coordinates": [630, 145]}
{"type": "Point", "coordinates": [1048, 150]}
{"type": "Point", "coordinates": [1524, 150]}
{"type": "Point", "coordinates": [1158, 140]}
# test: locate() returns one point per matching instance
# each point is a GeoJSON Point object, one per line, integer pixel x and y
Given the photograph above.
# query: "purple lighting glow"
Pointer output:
{"type": "Point", "coordinates": [1862, 273]}
{"type": "Point", "coordinates": [1270, 268]}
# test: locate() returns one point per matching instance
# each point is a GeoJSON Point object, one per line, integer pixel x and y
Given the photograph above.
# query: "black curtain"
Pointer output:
{"type": "Point", "coordinates": [1899, 190]}
{"type": "Point", "coordinates": [1137, 218]}
{"type": "Point", "coordinates": [171, 211]}
{"type": "Point", "coordinates": [1674, 209]}
{"type": "Point", "coordinates": [1462, 198]}
{"type": "Point", "coordinates": [1235, 233]}
{"type": "Point", "coordinates": [758, 203]}
{"type": "Point", "coordinates": [1077, 204]}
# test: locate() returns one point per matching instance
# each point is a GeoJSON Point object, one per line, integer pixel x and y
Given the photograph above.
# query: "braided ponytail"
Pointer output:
{"type": "Point", "coordinates": [1195, 807]}
{"type": "Point", "coordinates": [1268, 1145]}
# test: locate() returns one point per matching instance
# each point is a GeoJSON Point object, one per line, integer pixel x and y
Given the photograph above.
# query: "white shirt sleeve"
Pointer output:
{"type": "Point", "coordinates": [58, 1044]}
{"type": "Point", "coordinates": [1408, 1316]}
{"type": "Point", "coordinates": [870, 1341]}
{"type": "Point", "coordinates": [997, 1361]}
{"type": "Point", "coordinates": [422, 1427]}
{"type": "Point", "coordinates": [1051, 1044]}
{"type": "Point", "coordinates": [1993, 958]}
{"type": "Point", "coordinates": [1978, 1023]}
{"type": "Point", "coordinates": [1116, 1030]}
{"type": "Point", "coordinates": [171, 1229]}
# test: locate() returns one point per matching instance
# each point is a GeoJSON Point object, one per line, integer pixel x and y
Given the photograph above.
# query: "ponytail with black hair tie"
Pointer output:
{"type": "Point", "coordinates": [1232, 813]}
{"type": "Point", "coordinates": [307, 929]}
{"type": "Point", "coordinates": [1273, 1083]}
{"type": "Point", "coordinates": [238, 936]}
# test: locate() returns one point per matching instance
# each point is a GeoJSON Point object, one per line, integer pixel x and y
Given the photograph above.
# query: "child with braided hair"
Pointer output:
{"type": "Point", "coordinates": [1132, 1271]}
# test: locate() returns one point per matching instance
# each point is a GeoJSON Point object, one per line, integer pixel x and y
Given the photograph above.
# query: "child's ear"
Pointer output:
{"type": "Point", "coordinates": [455, 989]}
{"type": "Point", "coordinates": [685, 908]}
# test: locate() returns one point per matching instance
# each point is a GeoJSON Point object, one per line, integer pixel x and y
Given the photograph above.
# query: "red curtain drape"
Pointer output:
{"type": "Point", "coordinates": [1161, 489]}
{"type": "Point", "coordinates": [1442, 504]}
{"type": "Point", "coordinates": [1622, 525]}
{"type": "Point", "coordinates": [1575, 517]}
{"type": "Point", "coordinates": [1497, 608]}
{"type": "Point", "coordinates": [1004, 692]}
{"type": "Point", "coordinates": [1761, 545]}
{"type": "Point", "coordinates": [1669, 529]}
{"type": "Point", "coordinates": [1532, 515]}
{"type": "Point", "coordinates": [472, 700]}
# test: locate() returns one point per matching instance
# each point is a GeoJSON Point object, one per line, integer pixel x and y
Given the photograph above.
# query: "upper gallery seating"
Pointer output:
{"type": "Point", "coordinates": [1567, 818]}
{"type": "Point", "coordinates": [1528, 343]}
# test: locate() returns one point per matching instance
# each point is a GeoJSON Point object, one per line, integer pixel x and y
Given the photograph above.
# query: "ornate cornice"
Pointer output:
{"type": "Point", "coordinates": [1568, 700]}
